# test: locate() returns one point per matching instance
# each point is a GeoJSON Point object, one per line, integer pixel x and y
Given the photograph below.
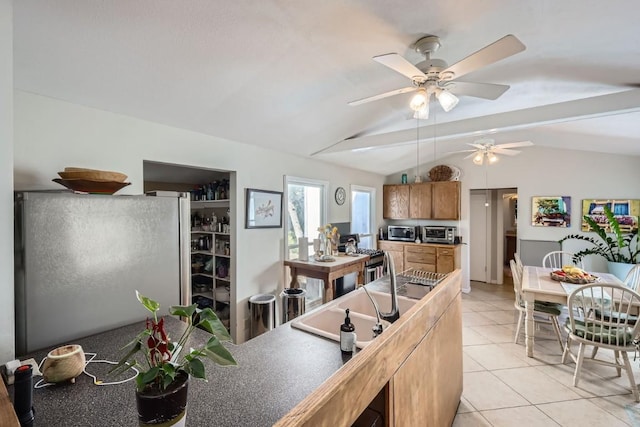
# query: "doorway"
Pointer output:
{"type": "Point", "coordinates": [212, 253]}
{"type": "Point", "coordinates": [493, 216]}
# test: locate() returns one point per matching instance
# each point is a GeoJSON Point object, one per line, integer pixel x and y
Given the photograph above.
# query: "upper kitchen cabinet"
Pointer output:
{"type": "Point", "coordinates": [426, 200]}
{"type": "Point", "coordinates": [445, 200]}
{"type": "Point", "coordinates": [395, 201]}
{"type": "Point", "coordinates": [420, 200]}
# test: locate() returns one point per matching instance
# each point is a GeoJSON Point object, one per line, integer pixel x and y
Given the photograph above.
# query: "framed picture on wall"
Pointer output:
{"type": "Point", "coordinates": [626, 211]}
{"type": "Point", "coordinates": [263, 209]}
{"type": "Point", "coordinates": [551, 211]}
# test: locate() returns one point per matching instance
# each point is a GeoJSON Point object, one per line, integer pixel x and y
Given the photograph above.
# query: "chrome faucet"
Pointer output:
{"type": "Point", "coordinates": [377, 328]}
{"type": "Point", "coordinates": [395, 313]}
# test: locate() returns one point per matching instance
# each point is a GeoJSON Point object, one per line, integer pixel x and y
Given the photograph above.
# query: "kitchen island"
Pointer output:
{"type": "Point", "coordinates": [327, 271]}
{"type": "Point", "coordinates": [289, 377]}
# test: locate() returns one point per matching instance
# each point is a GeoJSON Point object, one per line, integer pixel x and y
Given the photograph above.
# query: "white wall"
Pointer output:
{"type": "Point", "coordinates": [52, 134]}
{"type": "Point", "coordinates": [7, 346]}
{"type": "Point", "coordinates": [540, 171]}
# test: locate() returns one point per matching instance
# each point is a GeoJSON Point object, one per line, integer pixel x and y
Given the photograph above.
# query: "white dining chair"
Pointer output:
{"type": "Point", "coordinates": [556, 259]}
{"type": "Point", "coordinates": [599, 315]}
{"type": "Point", "coordinates": [518, 260]}
{"type": "Point", "coordinates": [543, 312]}
{"type": "Point", "coordinates": [632, 281]}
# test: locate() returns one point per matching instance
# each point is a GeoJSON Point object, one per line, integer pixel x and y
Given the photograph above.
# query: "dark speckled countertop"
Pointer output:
{"type": "Point", "coordinates": [276, 371]}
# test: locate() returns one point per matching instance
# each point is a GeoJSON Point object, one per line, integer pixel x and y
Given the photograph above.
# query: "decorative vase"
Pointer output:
{"type": "Point", "coordinates": [324, 246]}
{"type": "Point", "coordinates": [63, 364]}
{"type": "Point", "coordinates": [164, 407]}
{"type": "Point", "coordinates": [619, 269]}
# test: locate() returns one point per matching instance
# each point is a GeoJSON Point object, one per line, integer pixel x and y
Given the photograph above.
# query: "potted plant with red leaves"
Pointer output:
{"type": "Point", "coordinates": [164, 371]}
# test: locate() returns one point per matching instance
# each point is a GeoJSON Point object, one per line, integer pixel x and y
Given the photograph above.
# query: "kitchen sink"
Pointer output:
{"type": "Point", "coordinates": [357, 301]}
{"type": "Point", "coordinates": [326, 323]}
{"type": "Point", "coordinates": [326, 320]}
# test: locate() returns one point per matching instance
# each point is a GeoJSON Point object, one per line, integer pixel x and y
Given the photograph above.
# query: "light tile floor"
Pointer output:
{"type": "Point", "coordinates": [503, 387]}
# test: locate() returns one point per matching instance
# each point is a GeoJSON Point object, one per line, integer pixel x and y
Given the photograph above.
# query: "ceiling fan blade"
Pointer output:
{"type": "Point", "coordinates": [477, 146]}
{"type": "Point", "coordinates": [515, 144]}
{"type": "Point", "coordinates": [471, 155]}
{"type": "Point", "coordinates": [383, 95]}
{"type": "Point", "coordinates": [399, 64]}
{"type": "Point", "coordinates": [505, 152]}
{"type": "Point", "coordinates": [478, 90]}
{"type": "Point", "coordinates": [503, 48]}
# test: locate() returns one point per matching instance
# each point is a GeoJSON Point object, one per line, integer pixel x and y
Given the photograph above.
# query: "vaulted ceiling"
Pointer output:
{"type": "Point", "coordinates": [280, 74]}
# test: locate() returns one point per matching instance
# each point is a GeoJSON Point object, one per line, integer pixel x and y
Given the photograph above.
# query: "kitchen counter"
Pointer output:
{"type": "Point", "coordinates": [289, 377]}
{"type": "Point", "coordinates": [270, 380]}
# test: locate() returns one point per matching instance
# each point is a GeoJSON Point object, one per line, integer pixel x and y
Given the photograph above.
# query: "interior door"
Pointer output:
{"type": "Point", "coordinates": [478, 238]}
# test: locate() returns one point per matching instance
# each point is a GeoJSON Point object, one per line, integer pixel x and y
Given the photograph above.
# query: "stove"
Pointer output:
{"type": "Point", "coordinates": [375, 255]}
{"type": "Point", "coordinates": [373, 267]}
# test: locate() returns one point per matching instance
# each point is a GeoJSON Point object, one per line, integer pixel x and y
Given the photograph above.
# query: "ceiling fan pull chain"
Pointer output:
{"type": "Point", "coordinates": [418, 179]}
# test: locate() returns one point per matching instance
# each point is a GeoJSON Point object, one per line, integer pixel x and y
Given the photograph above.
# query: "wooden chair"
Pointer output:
{"type": "Point", "coordinates": [556, 259]}
{"type": "Point", "coordinates": [544, 312]}
{"type": "Point", "coordinates": [599, 315]}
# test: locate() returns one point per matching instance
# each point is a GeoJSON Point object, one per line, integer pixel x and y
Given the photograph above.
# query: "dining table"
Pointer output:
{"type": "Point", "coordinates": [537, 285]}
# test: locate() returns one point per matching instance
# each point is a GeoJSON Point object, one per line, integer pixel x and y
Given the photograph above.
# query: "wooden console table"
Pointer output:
{"type": "Point", "coordinates": [327, 271]}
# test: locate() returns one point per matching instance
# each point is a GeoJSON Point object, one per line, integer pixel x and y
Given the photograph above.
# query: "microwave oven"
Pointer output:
{"type": "Point", "coordinates": [439, 234]}
{"type": "Point", "coordinates": [401, 232]}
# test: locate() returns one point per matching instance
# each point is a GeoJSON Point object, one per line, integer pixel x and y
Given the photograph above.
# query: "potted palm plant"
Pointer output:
{"type": "Point", "coordinates": [163, 370]}
{"type": "Point", "coordinates": [621, 250]}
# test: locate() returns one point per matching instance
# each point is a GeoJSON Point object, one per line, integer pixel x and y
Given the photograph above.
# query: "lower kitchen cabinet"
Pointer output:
{"type": "Point", "coordinates": [396, 251]}
{"type": "Point", "coordinates": [428, 257]}
{"type": "Point", "coordinates": [419, 257]}
{"type": "Point", "coordinates": [446, 259]}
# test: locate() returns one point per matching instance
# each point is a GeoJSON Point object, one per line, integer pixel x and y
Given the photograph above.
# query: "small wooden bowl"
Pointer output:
{"type": "Point", "coordinates": [63, 364]}
{"type": "Point", "coordinates": [92, 175]}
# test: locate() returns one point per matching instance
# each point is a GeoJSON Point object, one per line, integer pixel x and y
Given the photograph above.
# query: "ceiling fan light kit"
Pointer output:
{"type": "Point", "coordinates": [447, 100]}
{"type": "Point", "coordinates": [478, 159]}
{"type": "Point", "coordinates": [433, 76]}
{"type": "Point", "coordinates": [486, 148]}
{"type": "Point", "coordinates": [420, 100]}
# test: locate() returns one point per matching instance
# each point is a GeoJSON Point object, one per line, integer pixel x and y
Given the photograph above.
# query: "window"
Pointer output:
{"type": "Point", "coordinates": [363, 202]}
{"type": "Point", "coordinates": [306, 207]}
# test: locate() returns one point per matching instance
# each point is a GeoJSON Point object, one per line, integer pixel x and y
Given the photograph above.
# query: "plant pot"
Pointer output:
{"type": "Point", "coordinates": [164, 407]}
{"type": "Point", "coordinates": [619, 269]}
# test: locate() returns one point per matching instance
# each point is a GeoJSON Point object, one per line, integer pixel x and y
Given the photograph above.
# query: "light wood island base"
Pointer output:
{"type": "Point", "coordinates": [8, 416]}
{"type": "Point", "coordinates": [417, 363]}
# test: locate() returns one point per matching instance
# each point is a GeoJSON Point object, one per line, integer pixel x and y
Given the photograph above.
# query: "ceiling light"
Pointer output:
{"type": "Point", "coordinates": [492, 157]}
{"type": "Point", "coordinates": [478, 158]}
{"type": "Point", "coordinates": [447, 99]}
{"type": "Point", "coordinates": [420, 100]}
{"type": "Point", "coordinates": [423, 113]}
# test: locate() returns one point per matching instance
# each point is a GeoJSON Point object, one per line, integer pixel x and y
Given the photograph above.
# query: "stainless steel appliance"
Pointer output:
{"type": "Point", "coordinates": [372, 267]}
{"type": "Point", "coordinates": [81, 257]}
{"type": "Point", "coordinates": [401, 232]}
{"type": "Point", "coordinates": [439, 234]}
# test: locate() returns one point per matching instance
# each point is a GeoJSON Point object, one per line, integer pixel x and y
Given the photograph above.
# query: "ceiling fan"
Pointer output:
{"type": "Point", "coordinates": [487, 148]}
{"type": "Point", "coordinates": [433, 76]}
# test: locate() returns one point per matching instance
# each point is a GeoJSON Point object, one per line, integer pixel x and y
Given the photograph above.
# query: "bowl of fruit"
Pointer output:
{"type": "Point", "coordinates": [573, 274]}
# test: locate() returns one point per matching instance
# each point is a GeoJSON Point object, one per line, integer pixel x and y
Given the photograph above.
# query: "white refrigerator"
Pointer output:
{"type": "Point", "coordinates": [81, 257]}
